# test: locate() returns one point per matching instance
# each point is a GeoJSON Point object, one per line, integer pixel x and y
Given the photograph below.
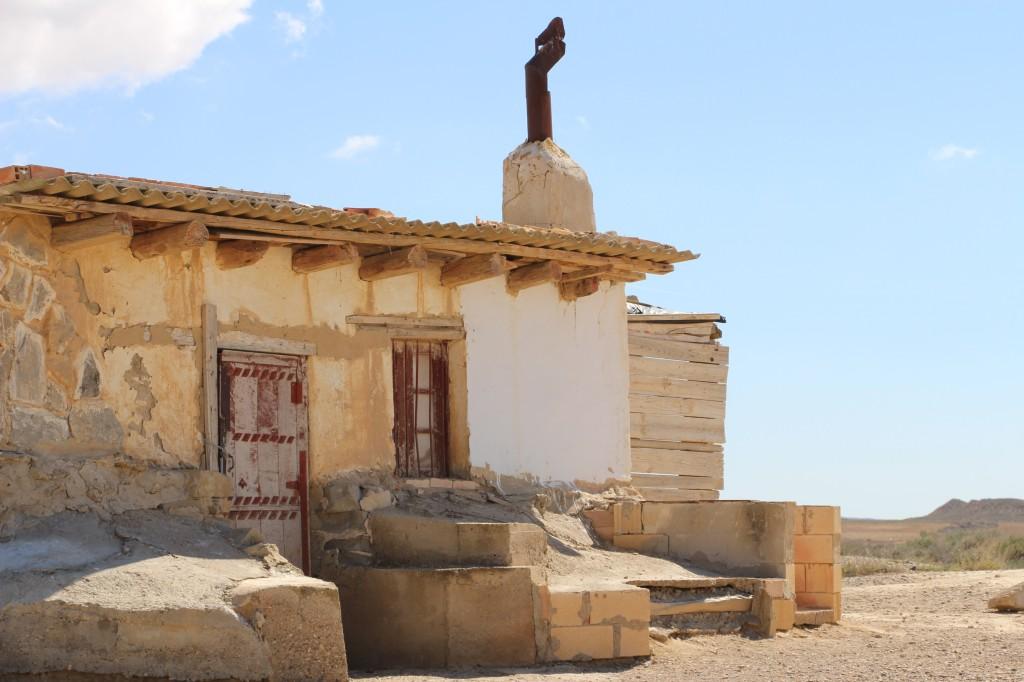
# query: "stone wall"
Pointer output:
{"type": "Point", "coordinates": [819, 571]}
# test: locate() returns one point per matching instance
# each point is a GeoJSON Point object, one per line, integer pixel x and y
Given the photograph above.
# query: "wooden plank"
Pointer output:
{"type": "Point", "coordinates": [316, 258]}
{"type": "Point", "coordinates": [80, 234]}
{"type": "Point", "coordinates": [348, 235]}
{"type": "Point", "coordinates": [427, 333]}
{"type": "Point", "coordinates": [243, 341]}
{"type": "Point", "coordinates": [672, 427]}
{"type": "Point", "coordinates": [586, 273]}
{"type": "Point", "coordinates": [393, 264]}
{"type": "Point", "coordinates": [673, 495]}
{"type": "Point", "coordinates": [473, 269]}
{"type": "Point", "coordinates": [673, 369]}
{"type": "Point", "coordinates": [657, 404]}
{"type": "Point", "coordinates": [701, 390]}
{"type": "Point", "coordinates": [703, 332]}
{"type": "Point", "coordinates": [679, 317]}
{"type": "Point", "coordinates": [210, 397]}
{"type": "Point", "coordinates": [570, 291]}
{"type": "Point", "coordinates": [660, 480]}
{"type": "Point", "coordinates": [739, 603]}
{"type": "Point", "coordinates": [188, 235]}
{"type": "Point", "coordinates": [677, 349]}
{"type": "Point", "coordinates": [695, 446]}
{"type": "Point", "coordinates": [681, 462]}
{"type": "Point", "coordinates": [404, 321]}
{"type": "Point", "coordinates": [532, 275]}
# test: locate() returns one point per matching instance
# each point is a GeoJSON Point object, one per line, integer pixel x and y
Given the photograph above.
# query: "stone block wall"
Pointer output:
{"type": "Point", "coordinates": [818, 569]}
{"type": "Point", "coordinates": [599, 622]}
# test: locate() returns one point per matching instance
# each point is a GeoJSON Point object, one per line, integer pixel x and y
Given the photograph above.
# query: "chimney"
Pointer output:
{"type": "Point", "coordinates": [542, 185]}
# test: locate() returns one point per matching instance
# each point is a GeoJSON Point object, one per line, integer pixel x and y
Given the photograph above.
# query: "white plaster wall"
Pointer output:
{"type": "Point", "coordinates": [548, 383]}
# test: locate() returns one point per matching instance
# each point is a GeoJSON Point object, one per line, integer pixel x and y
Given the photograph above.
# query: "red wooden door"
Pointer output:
{"type": "Point", "coordinates": [263, 441]}
{"type": "Point", "coordinates": [421, 408]}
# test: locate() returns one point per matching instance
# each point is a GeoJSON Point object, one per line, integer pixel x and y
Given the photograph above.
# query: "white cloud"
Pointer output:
{"type": "Point", "coordinates": [316, 7]}
{"type": "Point", "coordinates": [51, 122]}
{"type": "Point", "coordinates": [948, 152]}
{"type": "Point", "coordinates": [293, 27]}
{"type": "Point", "coordinates": [354, 145]}
{"type": "Point", "coordinates": [60, 46]}
{"type": "Point", "coordinates": [584, 122]}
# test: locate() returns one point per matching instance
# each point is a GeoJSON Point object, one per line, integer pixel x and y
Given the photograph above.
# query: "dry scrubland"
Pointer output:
{"type": "Point", "coordinates": [907, 626]}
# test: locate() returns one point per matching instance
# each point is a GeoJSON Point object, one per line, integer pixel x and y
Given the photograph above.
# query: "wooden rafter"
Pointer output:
{"type": "Point", "coordinates": [532, 275]}
{"type": "Point", "coordinates": [393, 264]}
{"type": "Point", "coordinates": [473, 269]}
{"type": "Point", "coordinates": [166, 240]}
{"type": "Point", "coordinates": [91, 232]}
{"type": "Point", "coordinates": [315, 258]}
{"type": "Point", "coordinates": [239, 253]}
{"type": "Point", "coordinates": [578, 288]}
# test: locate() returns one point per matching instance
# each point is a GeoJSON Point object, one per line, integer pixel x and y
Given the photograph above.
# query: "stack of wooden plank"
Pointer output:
{"type": "Point", "coordinates": [678, 372]}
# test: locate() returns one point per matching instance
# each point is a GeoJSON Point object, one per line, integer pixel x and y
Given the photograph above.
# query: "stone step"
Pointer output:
{"type": "Point", "coordinates": [738, 603]}
{"type": "Point", "coordinates": [813, 616]}
{"type": "Point", "coordinates": [400, 539]}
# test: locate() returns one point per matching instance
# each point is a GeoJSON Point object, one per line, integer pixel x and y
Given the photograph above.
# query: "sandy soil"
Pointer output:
{"type": "Point", "coordinates": [911, 626]}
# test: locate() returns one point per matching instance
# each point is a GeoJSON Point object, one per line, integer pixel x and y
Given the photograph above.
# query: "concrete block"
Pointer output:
{"type": "Point", "coordinates": [623, 605]}
{"type": "Point", "coordinates": [654, 545]}
{"type": "Point", "coordinates": [775, 587]}
{"type": "Point", "coordinates": [817, 600]}
{"type": "Point", "coordinates": [801, 577]}
{"type": "Point", "coordinates": [567, 608]}
{"type": "Point", "coordinates": [783, 613]}
{"type": "Point", "coordinates": [299, 620]}
{"type": "Point", "coordinates": [823, 578]}
{"type": "Point", "coordinates": [490, 617]}
{"type": "Point", "coordinates": [527, 544]}
{"type": "Point", "coordinates": [632, 641]}
{"type": "Point", "coordinates": [813, 549]}
{"type": "Point", "coordinates": [406, 540]}
{"type": "Point", "coordinates": [582, 643]}
{"type": "Point", "coordinates": [603, 522]}
{"type": "Point", "coordinates": [820, 520]}
{"type": "Point", "coordinates": [627, 518]}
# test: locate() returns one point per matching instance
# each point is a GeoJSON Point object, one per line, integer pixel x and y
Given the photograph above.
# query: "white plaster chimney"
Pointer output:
{"type": "Point", "coordinates": [544, 187]}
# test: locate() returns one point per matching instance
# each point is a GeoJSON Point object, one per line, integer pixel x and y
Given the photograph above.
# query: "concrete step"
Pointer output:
{"type": "Point", "coordinates": [401, 539]}
{"type": "Point", "coordinates": [739, 603]}
{"type": "Point", "coordinates": [814, 616]}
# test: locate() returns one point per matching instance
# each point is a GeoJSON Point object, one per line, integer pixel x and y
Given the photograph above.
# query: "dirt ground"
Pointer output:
{"type": "Point", "coordinates": [909, 626]}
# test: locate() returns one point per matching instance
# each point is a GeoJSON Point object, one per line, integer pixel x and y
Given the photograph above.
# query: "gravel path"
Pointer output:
{"type": "Point", "coordinates": [909, 626]}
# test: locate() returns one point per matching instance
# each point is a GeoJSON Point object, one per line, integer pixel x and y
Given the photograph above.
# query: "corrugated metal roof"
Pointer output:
{"type": "Point", "coordinates": [279, 208]}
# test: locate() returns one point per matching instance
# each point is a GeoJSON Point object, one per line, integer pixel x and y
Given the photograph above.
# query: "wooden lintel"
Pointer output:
{"type": "Point", "coordinates": [473, 269]}
{"type": "Point", "coordinates": [239, 253]}
{"type": "Point", "coordinates": [406, 321]}
{"type": "Point", "coordinates": [400, 262]}
{"type": "Point", "coordinates": [316, 258]}
{"type": "Point", "coordinates": [169, 239]}
{"type": "Point", "coordinates": [579, 288]}
{"type": "Point", "coordinates": [531, 275]}
{"type": "Point", "coordinates": [234, 340]}
{"type": "Point", "coordinates": [344, 233]}
{"type": "Point", "coordinates": [584, 273]}
{"type": "Point", "coordinates": [91, 231]}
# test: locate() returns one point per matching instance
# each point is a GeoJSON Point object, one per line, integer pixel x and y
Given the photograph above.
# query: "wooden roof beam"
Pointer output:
{"type": "Point", "coordinates": [473, 269]}
{"type": "Point", "coordinates": [532, 275]}
{"type": "Point", "coordinates": [578, 288]}
{"type": "Point", "coordinates": [239, 253]}
{"type": "Point", "coordinates": [103, 229]}
{"type": "Point", "coordinates": [316, 258]}
{"type": "Point", "coordinates": [393, 264]}
{"type": "Point", "coordinates": [166, 240]}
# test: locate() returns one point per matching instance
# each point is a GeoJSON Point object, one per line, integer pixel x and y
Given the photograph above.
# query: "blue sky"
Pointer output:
{"type": "Point", "coordinates": [851, 174]}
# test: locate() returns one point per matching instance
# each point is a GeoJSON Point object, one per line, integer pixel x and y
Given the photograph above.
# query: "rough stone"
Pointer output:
{"type": "Point", "coordinates": [374, 499]}
{"type": "Point", "coordinates": [544, 187]}
{"type": "Point", "coordinates": [1009, 600]}
{"type": "Point", "coordinates": [42, 296]}
{"type": "Point", "coordinates": [88, 376]}
{"type": "Point", "coordinates": [56, 399]}
{"type": "Point", "coordinates": [341, 496]}
{"type": "Point", "coordinates": [60, 330]}
{"type": "Point", "coordinates": [15, 290]}
{"type": "Point", "coordinates": [95, 428]}
{"type": "Point", "coordinates": [37, 430]}
{"type": "Point", "coordinates": [28, 379]}
{"type": "Point", "coordinates": [26, 238]}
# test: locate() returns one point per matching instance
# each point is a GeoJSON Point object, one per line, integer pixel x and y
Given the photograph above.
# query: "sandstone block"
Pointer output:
{"type": "Point", "coordinates": [783, 613]}
{"type": "Point", "coordinates": [775, 587]}
{"type": "Point", "coordinates": [602, 521]}
{"type": "Point", "coordinates": [655, 545]}
{"type": "Point", "coordinates": [632, 641]}
{"type": "Point", "coordinates": [817, 600]}
{"type": "Point", "coordinates": [823, 578]}
{"type": "Point", "coordinates": [621, 605]}
{"type": "Point", "coordinates": [813, 549]}
{"type": "Point", "coordinates": [299, 621]}
{"type": "Point", "coordinates": [582, 643]}
{"type": "Point", "coordinates": [820, 520]}
{"type": "Point", "coordinates": [1009, 600]}
{"type": "Point", "coordinates": [567, 608]}
{"type": "Point", "coordinates": [627, 518]}
{"type": "Point", "coordinates": [801, 577]}
{"type": "Point", "coordinates": [475, 635]}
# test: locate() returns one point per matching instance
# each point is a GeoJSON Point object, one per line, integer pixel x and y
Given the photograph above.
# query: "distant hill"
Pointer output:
{"type": "Point", "coordinates": [999, 510]}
